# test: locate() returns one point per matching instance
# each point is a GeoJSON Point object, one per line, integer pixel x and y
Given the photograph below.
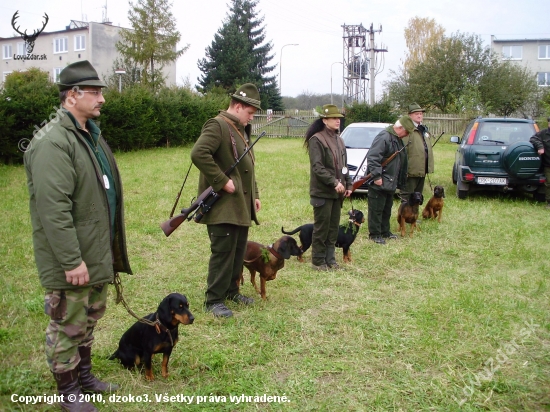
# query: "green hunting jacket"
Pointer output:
{"type": "Point", "coordinates": [69, 208]}
{"type": "Point", "coordinates": [324, 173]}
{"type": "Point", "coordinates": [541, 140]}
{"type": "Point", "coordinates": [394, 174]}
{"type": "Point", "coordinates": [419, 150]}
{"type": "Point", "coordinates": [213, 154]}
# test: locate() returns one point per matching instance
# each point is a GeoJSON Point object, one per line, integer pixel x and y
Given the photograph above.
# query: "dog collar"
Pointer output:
{"type": "Point", "coordinates": [159, 326]}
{"type": "Point", "coordinates": [274, 252]}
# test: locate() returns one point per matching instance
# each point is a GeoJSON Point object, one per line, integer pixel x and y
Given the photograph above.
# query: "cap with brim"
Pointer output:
{"type": "Point", "coordinates": [330, 110]}
{"type": "Point", "coordinates": [79, 74]}
{"type": "Point", "coordinates": [248, 93]}
{"type": "Point", "coordinates": [407, 123]}
{"type": "Point", "coordinates": [415, 107]}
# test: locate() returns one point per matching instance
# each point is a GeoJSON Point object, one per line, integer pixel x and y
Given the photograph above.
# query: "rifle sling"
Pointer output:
{"type": "Point", "coordinates": [233, 140]}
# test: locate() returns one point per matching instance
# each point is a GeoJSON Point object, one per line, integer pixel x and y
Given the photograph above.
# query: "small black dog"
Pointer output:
{"type": "Point", "coordinates": [138, 344]}
{"type": "Point", "coordinates": [346, 235]}
{"type": "Point", "coordinates": [408, 212]}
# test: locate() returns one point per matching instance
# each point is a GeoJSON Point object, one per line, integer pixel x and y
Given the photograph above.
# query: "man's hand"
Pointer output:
{"type": "Point", "coordinates": [348, 193]}
{"type": "Point", "coordinates": [78, 276]}
{"type": "Point", "coordinates": [340, 188]}
{"type": "Point", "coordinates": [541, 151]}
{"type": "Point", "coordinates": [378, 182]}
{"type": "Point", "coordinates": [258, 204]}
{"type": "Point", "coordinates": [229, 186]}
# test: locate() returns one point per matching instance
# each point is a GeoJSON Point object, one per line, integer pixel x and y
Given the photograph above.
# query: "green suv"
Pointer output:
{"type": "Point", "coordinates": [495, 154]}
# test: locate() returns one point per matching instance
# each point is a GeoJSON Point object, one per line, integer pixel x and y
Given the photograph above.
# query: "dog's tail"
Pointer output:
{"type": "Point", "coordinates": [293, 231]}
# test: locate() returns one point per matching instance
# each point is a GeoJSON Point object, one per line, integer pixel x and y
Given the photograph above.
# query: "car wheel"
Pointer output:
{"type": "Point", "coordinates": [454, 174]}
{"type": "Point", "coordinates": [462, 190]}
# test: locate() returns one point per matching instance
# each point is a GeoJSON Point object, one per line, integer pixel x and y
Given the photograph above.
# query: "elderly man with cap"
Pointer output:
{"type": "Point", "coordinates": [78, 229]}
{"type": "Point", "coordinates": [329, 183]}
{"type": "Point", "coordinates": [541, 141]}
{"type": "Point", "coordinates": [222, 141]}
{"type": "Point", "coordinates": [419, 152]}
{"type": "Point", "coordinates": [386, 179]}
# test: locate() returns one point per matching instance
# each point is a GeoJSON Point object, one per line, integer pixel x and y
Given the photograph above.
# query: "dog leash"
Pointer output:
{"type": "Point", "coordinates": [157, 324]}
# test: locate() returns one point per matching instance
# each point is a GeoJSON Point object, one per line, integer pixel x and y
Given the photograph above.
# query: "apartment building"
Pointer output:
{"type": "Point", "coordinates": [53, 51]}
{"type": "Point", "coordinates": [533, 54]}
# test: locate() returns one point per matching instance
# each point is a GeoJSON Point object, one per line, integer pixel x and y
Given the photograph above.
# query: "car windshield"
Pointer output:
{"type": "Point", "coordinates": [491, 133]}
{"type": "Point", "coordinates": [360, 137]}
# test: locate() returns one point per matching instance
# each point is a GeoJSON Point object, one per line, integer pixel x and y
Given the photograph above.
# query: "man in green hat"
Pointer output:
{"type": "Point", "coordinates": [78, 229]}
{"type": "Point", "coordinates": [222, 141]}
{"type": "Point", "coordinates": [419, 152]}
{"type": "Point", "coordinates": [386, 180]}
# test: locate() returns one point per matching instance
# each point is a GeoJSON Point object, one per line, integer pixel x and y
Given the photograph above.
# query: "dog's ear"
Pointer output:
{"type": "Point", "coordinates": [442, 192]}
{"type": "Point", "coordinates": [284, 249]}
{"type": "Point", "coordinates": [421, 198]}
{"type": "Point", "coordinates": [164, 310]}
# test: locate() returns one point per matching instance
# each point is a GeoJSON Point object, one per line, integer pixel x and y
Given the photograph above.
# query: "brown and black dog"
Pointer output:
{"type": "Point", "coordinates": [434, 207]}
{"type": "Point", "coordinates": [346, 234]}
{"type": "Point", "coordinates": [408, 212]}
{"type": "Point", "coordinates": [138, 344]}
{"type": "Point", "coordinates": [268, 260]}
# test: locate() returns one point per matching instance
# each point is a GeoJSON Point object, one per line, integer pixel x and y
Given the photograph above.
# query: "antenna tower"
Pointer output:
{"type": "Point", "coordinates": [356, 63]}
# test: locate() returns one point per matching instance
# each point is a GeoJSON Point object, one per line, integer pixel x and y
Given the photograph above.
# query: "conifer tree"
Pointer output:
{"type": "Point", "coordinates": [152, 42]}
{"type": "Point", "coordinates": [239, 54]}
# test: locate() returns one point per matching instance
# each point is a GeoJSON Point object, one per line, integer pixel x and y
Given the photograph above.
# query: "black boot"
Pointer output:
{"type": "Point", "coordinates": [68, 387]}
{"type": "Point", "coordinates": [88, 382]}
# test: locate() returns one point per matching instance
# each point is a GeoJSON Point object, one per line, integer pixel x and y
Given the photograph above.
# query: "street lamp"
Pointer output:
{"type": "Point", "coordinates": [331, 79]}
{"type": "Point", "coordinates": [281, 66]}
{"type": "Point", "coordinates": [120, 72]}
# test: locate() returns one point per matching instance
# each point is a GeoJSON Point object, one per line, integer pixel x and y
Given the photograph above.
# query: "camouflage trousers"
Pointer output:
{"type": "Point", "coordinates": [73, 315]}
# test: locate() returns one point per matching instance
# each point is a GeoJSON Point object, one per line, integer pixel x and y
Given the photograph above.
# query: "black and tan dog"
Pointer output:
{"type": "Point", "coordinates": [346, 234]}
{"type": "Point", "coordinates": [138, 344]}
{"type": "Point", "coordinates": [434, 207]}
{"type": "Point", "coordinates": [268, 260]}
{"type": "Point", "coordinates": [408, 212]}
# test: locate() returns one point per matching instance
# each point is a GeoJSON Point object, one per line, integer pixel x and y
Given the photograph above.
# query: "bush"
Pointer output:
{"type": "Point", "coordinates": [27, 100]}
{"type": "Point", "coordinates": [379, 112]}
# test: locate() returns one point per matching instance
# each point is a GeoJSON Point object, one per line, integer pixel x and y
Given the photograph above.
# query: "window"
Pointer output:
{"type": "Point", "coordinates": [512, 52]}
{"type": "Point", "coordinates": [79, 43]}
{"type": "Point", "coordinates": [56, 71]}
{"type": "Point", "coordinates": [544, 51]}
{"type": "Point", "coordinates": [60, 45]}
{"type": "Point", "coordinates": [21, 49]}
{"type": "Point", "coordinates": [6, 51]}
{"type": "Point", "coordinates": [543, 78]}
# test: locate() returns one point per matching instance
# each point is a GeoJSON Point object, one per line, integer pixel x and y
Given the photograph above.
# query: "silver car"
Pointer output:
{"type": "Point", "coordinates": [358, 138]}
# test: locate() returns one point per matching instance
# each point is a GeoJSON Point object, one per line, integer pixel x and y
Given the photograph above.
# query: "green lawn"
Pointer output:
{"type": "Point", "coordinates": [456, 318]}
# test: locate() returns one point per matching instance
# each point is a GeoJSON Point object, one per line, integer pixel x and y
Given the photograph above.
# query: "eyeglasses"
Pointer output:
{"type": "Point", "coordinates": [94, 92]}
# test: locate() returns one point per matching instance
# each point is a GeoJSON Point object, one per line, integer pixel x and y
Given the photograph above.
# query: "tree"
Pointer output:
{"type": "Point", "coordinates": [421, 34]}
{"type": "Point", "coordinates": [239, 54]}
{"type": "Point", "coordinates": [152, 42]}
{"type": "Point", "coordinates": [507, 87]}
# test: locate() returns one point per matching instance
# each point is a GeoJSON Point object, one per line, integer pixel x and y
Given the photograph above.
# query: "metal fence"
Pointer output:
{"type": "Point", "coordinates": [294, 123]}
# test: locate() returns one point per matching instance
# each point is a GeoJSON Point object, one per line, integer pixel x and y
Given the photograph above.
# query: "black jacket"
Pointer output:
{"type": "Point", "coordinates": [394, 174]}
{"type": "Point", "coordinates": [541, 140]}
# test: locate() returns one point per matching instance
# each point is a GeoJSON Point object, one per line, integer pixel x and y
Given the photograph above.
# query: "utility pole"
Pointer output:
{"type": "Point", "coordinates": [373, 50]}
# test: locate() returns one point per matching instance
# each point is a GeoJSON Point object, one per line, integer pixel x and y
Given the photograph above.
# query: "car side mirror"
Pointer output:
{"type": "Point", "coordinates": [455, 139]}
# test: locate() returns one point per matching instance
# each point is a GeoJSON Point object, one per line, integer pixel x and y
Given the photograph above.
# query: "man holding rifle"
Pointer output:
{"type": "Point", "coordinates": [386, 179]}
{"type": "Point", "coordinates": [223, 139]}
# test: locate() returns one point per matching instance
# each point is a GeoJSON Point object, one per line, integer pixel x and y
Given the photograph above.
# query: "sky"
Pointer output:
{"type": "Point", "coordinates": [313, 66]}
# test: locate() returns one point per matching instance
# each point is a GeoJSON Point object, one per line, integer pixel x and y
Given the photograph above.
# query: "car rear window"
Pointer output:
{"type": "Point", "coordinates": [360, 137]}
{"type": "Point", "coordinates": [493, 133]}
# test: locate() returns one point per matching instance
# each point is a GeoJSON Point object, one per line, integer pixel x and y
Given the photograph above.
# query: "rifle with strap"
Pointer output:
{"type": "Point", "coordinates": [204, 202]}
{"type": "Point", "coordinates": [368, 178]}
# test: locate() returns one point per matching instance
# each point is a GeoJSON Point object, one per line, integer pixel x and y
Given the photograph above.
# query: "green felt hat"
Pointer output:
{"type": "Point", "coordinates": [248, 94]}
{"type": "Point", "coordinates": [407, 123]}
{"type": "Point", "coordinates": [415, 107]}
{"type": "Point", "coordinates": [330, 110]}
{"type": "Point", "coordinates": [79, 74]}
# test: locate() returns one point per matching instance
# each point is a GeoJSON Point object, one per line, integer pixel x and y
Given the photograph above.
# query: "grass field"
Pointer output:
{"type": "Point", "coordinates": [456, 318]}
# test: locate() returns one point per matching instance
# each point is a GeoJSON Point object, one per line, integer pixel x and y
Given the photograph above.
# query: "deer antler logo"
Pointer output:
{"type": "Point", "coordinates": [29, 39]}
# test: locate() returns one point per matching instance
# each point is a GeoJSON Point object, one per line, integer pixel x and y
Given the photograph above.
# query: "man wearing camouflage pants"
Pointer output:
{"type": "Point", "coordinates": [78, 230]}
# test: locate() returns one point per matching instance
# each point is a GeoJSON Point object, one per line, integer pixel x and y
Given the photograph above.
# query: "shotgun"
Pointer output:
{"type": "Point", "coordinates": [368, 177]}
{"type": "Point", "coordinates": [204, 202]}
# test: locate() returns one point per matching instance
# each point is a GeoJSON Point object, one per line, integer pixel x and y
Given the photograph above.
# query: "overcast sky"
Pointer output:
{"type": "Point", "coordinates": [316, 26]}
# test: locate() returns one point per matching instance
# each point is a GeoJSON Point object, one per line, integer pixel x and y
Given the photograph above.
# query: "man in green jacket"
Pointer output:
{"type": "Point", "coordinates": [222, 141]}
{"type": "Point", "coordinates": [385, 180]}
{"type": "Point", "coordinates": [541, 142]}
{"type": "Point", "coordinates": [419, 152]}
{"type": "Point", "coordinates": [78, 229]}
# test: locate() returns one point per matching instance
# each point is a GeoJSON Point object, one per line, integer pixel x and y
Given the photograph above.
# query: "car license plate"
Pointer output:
{"type": "Point", "coordinates": [492, 181]}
